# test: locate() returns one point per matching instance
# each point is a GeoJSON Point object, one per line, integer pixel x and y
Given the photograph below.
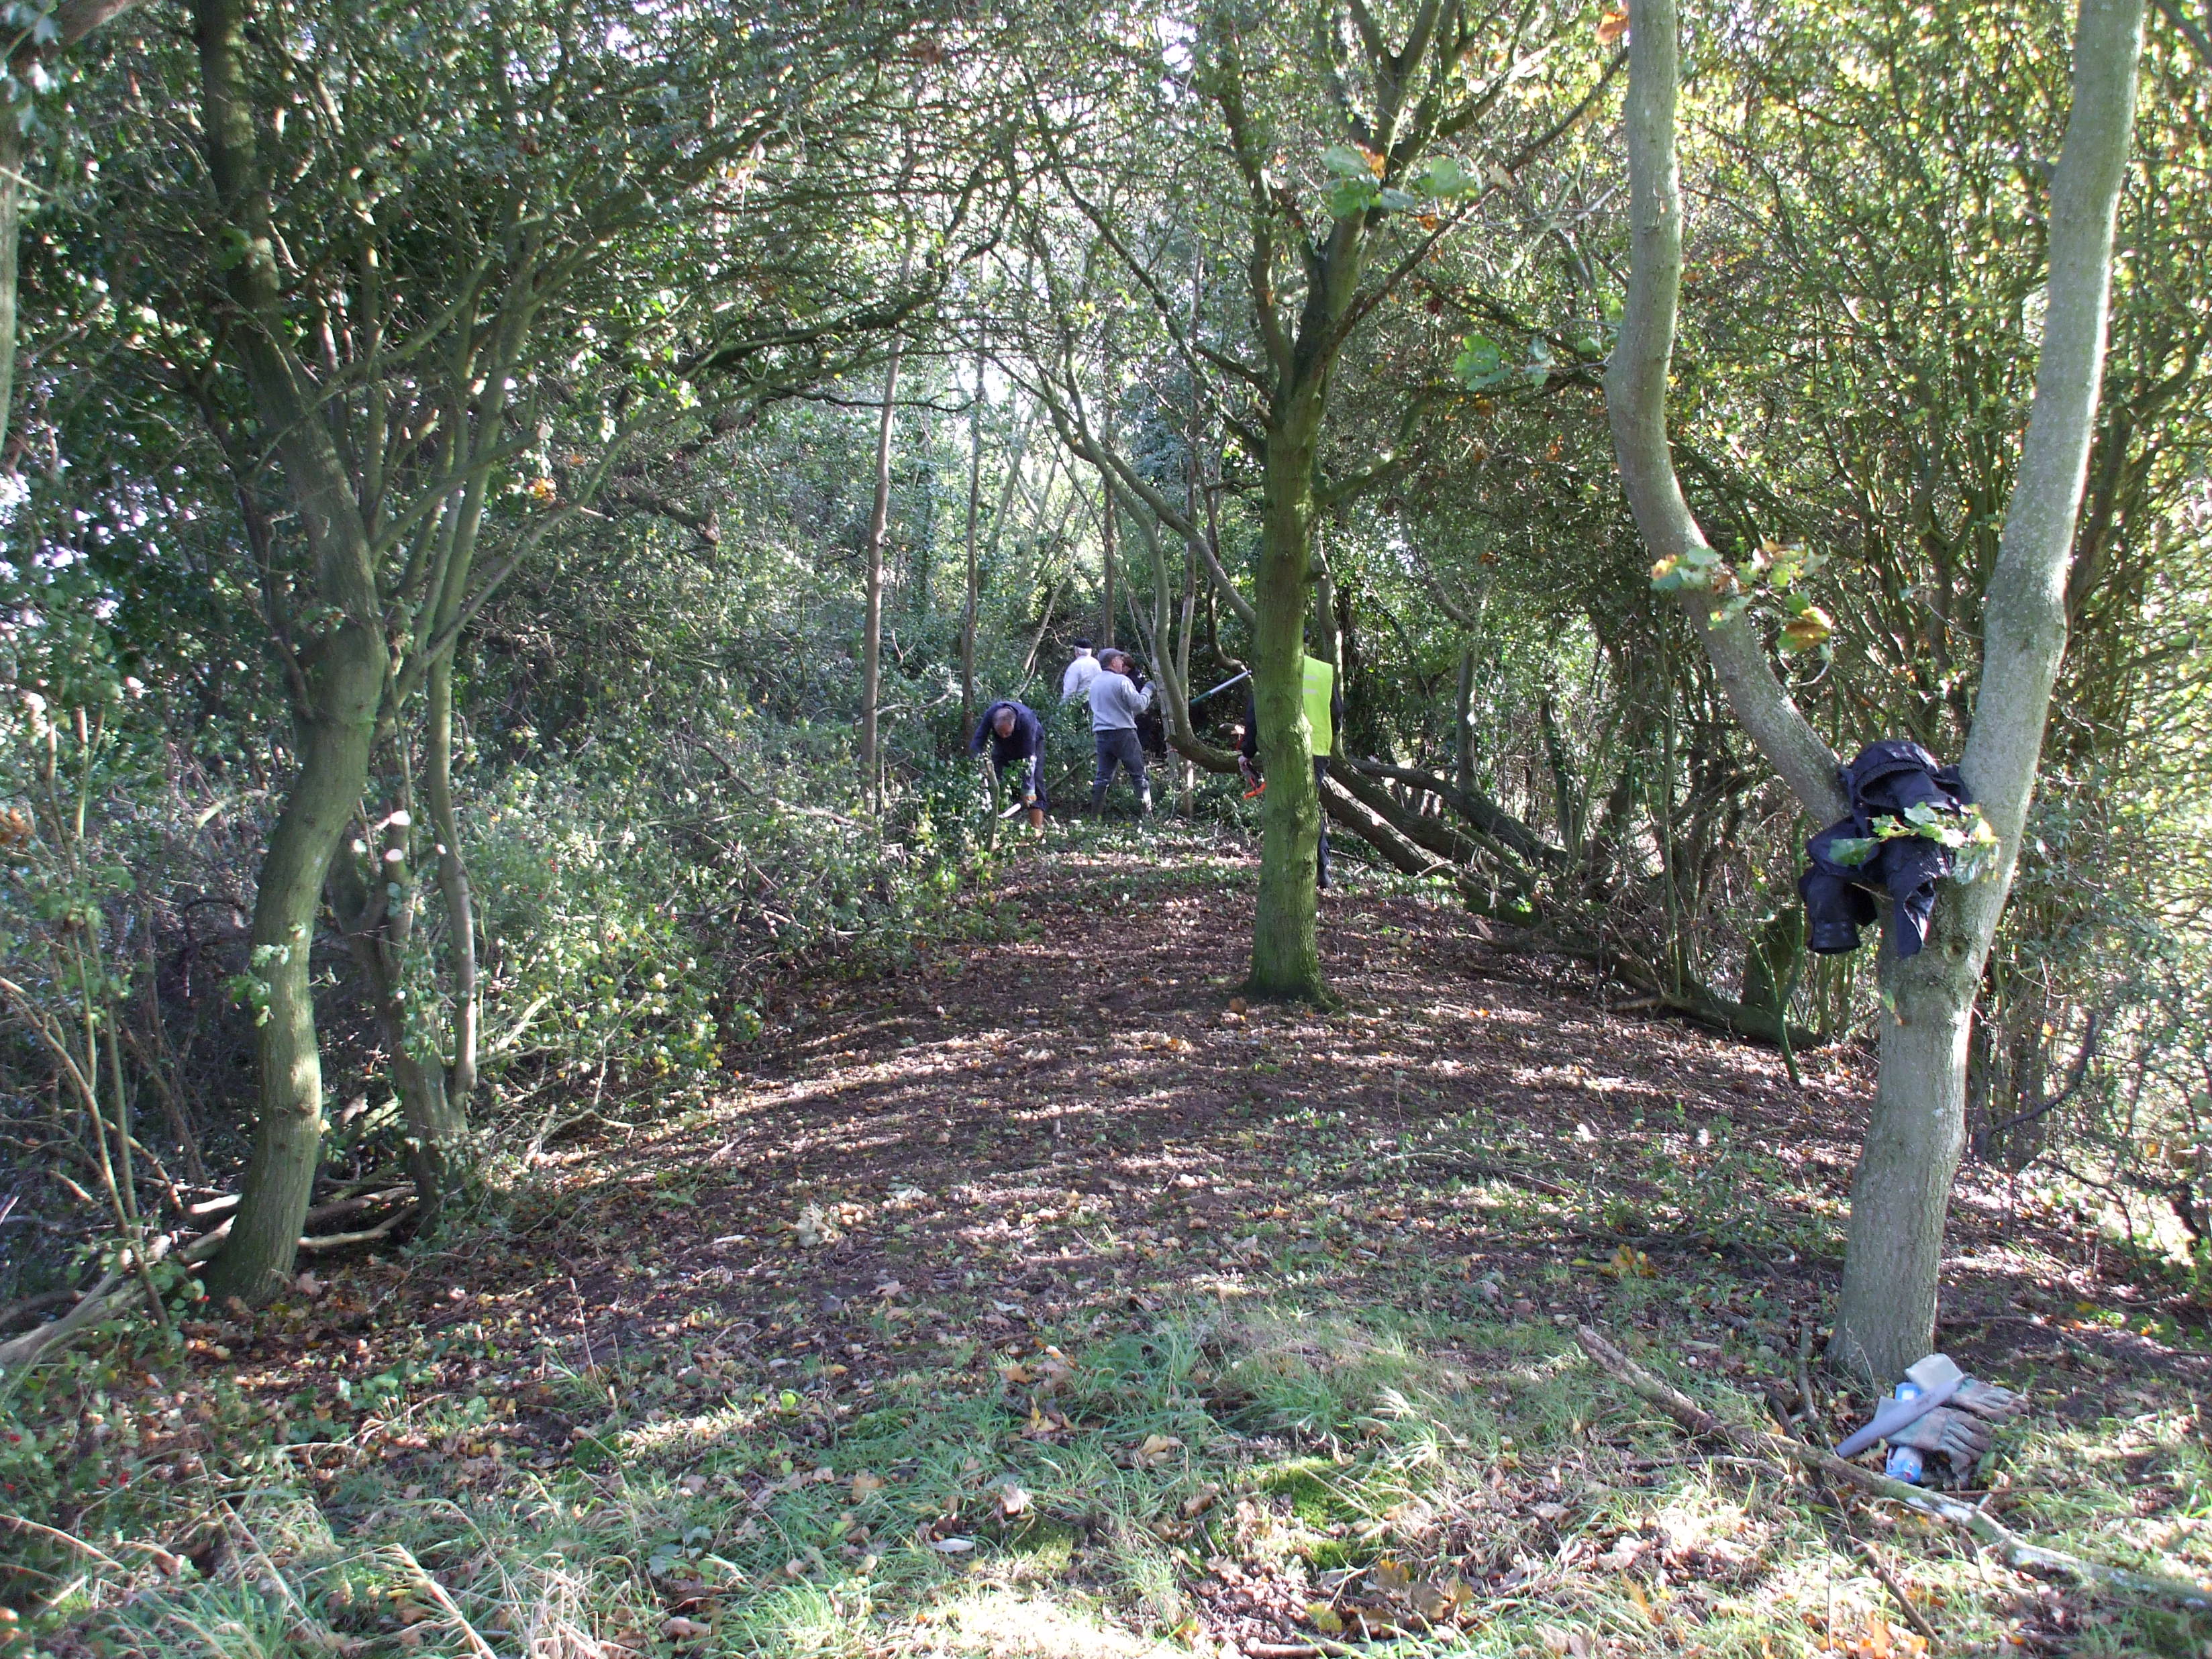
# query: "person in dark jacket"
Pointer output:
{"type": "Point", "coordinates": [1016, 737]}
{"type": "Point", "coordinates": [1324, 702]}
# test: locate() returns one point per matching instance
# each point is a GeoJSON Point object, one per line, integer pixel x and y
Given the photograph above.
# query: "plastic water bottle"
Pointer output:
{"type": "Point", "coordinates": [1905, 1463]}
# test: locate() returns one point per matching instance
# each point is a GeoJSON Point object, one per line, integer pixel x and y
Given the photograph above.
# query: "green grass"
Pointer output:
{"type": "Point", "coordinates": [1311, 1450]}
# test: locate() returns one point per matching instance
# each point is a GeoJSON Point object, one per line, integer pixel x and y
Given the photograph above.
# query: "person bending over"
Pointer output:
{"type": "Point", "coordinates": [1117, 697]}
{"type": "Point", "coordinates": [1324, 713]}
{"type": "Point", "coordinates": [1016, 737]}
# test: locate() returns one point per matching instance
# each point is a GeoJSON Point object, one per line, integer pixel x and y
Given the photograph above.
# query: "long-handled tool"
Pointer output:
{"type": "Point", "coordinates": [1223, 686]}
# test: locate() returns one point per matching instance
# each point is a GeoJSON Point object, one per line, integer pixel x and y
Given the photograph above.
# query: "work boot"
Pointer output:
{"type": "Point", "coordinates": [1098, 800]}
{"type": "Point", "coordinates": [1144, 804]}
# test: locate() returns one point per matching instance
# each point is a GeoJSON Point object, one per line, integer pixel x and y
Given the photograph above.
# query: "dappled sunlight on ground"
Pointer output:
{"type": "Point", "coordinates": [1047, 1301]}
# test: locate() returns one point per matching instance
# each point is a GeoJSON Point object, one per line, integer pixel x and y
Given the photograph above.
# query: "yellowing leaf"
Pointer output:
{"type": "Point", "coordinates": [1325, 1619]}
{"type": "Point", "coordinates": [1807, 628]}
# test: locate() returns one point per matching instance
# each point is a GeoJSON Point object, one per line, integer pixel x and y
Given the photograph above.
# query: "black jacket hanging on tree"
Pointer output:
{"type": "Point", "coordinates": [1886, 779]}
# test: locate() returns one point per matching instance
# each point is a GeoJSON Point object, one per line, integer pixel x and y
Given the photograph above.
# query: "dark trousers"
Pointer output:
{"type": "Point", "coordinates": [1120, 749]}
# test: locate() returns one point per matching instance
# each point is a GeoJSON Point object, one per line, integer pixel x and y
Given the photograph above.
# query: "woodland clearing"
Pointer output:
{"type": "Point", "coordinates": [1044, 1300]}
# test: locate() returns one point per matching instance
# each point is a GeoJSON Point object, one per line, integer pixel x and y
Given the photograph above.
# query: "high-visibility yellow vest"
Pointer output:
{"type": "Point", "coordinates": [1320, 689]}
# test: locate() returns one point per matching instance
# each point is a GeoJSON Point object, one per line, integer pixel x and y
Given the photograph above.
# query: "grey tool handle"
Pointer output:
{"type": "Point", "coordinates": [1894, 1415]}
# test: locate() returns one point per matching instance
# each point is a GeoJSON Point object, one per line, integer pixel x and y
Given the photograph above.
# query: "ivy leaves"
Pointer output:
{"type": "Point", "coordinates": [1968, 833]}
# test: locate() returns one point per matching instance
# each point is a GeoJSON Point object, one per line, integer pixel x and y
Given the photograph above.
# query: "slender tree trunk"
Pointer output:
{"type": "Point", "coordinates": [436, 1125]}
{"type": "Point", "coordinates": [1106, 537]}
{"type": "Point", "coordinates": [14, 154]}
{"type": "Point", "coordinates": [975, 506]}
{"type": "Point", "coordinates": [1463, 726]}
{"type": "Point", "coordinates": [453, 883]}
{"type": "Point", "coordinates": [871, 639]}
{"type": "Point", "coordinates": [334, 739]}
{"type": "Point", "coordinates": [73, 20]}
{"type": "Point", "coordinates": [1324, 608]}
{"type": "Point", "coordinates": [1285, 946]}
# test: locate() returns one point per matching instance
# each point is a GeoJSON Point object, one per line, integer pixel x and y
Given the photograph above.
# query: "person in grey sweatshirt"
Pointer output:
{"type": "Point", "coordinates": [1116, 699]}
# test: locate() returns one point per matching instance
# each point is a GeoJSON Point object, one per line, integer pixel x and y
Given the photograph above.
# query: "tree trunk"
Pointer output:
{"type": "Point", "coordinates": [974, 506]}
{"type": "Point", "coordinates": [72, 20]}
{"type": "Point", "coordinates": [1286, 947]}
{"type": "Point", "coordinates": [872, 638]}
{"type": "Point", "coordinates": [334, 744]}
{"type": "Point", "coordinates": [15, 153]}
{"type": "Point", "coordinates": [452, 884]}
{"type": "Point", "coordinates": [1463, 726]}
{"type": "Point", "coordinates": [337, 700]}
{"type": "Point", "coordinates": [1915, 1134]}
{"type": "Point", "coordinates": [1106, 537]}
{"type": "Point", "coordinates": [1886, 1316]}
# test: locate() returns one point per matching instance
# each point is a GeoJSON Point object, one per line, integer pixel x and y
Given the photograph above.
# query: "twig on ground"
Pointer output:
{"type": "Point", "coordinates": [1805, 1378]}
{"type": "Point", "coordinates": [2016, 1551]}
{"type": "Point", "coordinates": [436, 1591]}
{"type": "Point", "coordinates": [368, 1235]}
{"type": "Point", "coordinates": [1896, 1591]}
{"type": "Point", "coordinates": [61, 1537]}
{"type": "Point", "coordinates": [1459, 1163]}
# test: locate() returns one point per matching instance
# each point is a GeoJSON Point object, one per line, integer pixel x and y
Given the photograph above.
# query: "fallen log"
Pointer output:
{"type": "Point", "coordinates": [111, 1295]}
{"type": "Point", "coordinates": [2012, 1549]}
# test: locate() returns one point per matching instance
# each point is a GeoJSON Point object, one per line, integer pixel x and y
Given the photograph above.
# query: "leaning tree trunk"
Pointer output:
{"type": "Point", "coordinates": [339, 691]}
{"type": "Point", "coordinates": [1886, 1316]}
{"type": "Point", "coordinates": [334, 738]}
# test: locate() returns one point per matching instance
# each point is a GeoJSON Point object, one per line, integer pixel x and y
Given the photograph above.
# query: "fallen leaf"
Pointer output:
{"type": "Point", "coordinates": [1325, 1619]}
{"type": "Point", "coordinates": [1153, 1447]}
{"type": "Point", "coordinates": [953, 1545]}
{"type": "Point", "coordinates": [681, 1629]}
{"type": "Point", "coordinates": [864, 1483]}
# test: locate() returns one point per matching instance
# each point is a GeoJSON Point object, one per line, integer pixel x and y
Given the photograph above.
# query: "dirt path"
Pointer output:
{"type": "Point", "coordinates": [1035, 1137]}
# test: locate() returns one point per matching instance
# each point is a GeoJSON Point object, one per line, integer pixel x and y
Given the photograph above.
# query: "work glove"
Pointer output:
{"type": "Point", "coordinates": [1988, 1401]}
{"type": "Point", "coordinates": [1959, 1436]}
